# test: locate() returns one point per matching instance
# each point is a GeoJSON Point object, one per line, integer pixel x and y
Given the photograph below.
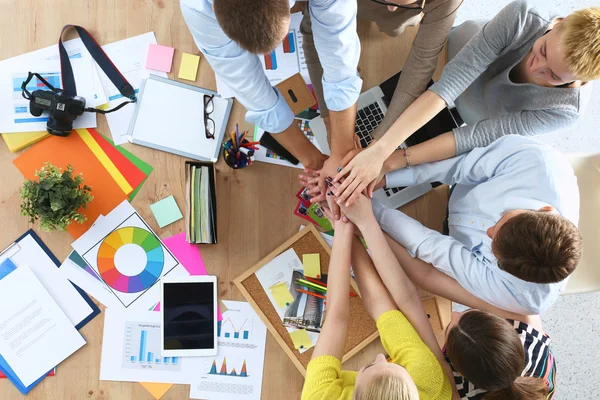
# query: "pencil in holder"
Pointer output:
{"type": "Point", "coordinates": [237, 151]}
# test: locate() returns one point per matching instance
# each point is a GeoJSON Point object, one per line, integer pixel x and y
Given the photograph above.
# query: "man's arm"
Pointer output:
{"type": "Point", "coordinates": [338, 45]}
{"type": "Point", "coordinates": [243, 72]}
{"type": "Point", "coordinates": [427, 277]}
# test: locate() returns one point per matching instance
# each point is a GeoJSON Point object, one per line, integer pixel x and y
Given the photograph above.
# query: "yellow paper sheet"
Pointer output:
{"type": "Point", "coordinates": [189, 67]}
{"type": "Point", "coordinates": [18, 141]}
{"type": "Point", "coordinates": [301, 339]}
{"type": "Point", "coordinates": [281, 294]}
{"type": "Point", "coordinates": [105, 160]}
{"type": "Point", "coordinates": [157, 390]}
{"type": "Point", "coordinates": [312, 265]}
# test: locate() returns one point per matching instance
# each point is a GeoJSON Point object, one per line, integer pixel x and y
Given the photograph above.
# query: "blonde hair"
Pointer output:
{"type": "Point", "coordinates": [581, 38]}
{"type": "Point", "coordinates": [386, 387]}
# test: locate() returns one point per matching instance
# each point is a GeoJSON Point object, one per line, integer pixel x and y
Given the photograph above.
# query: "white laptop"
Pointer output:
{"type": "Point", "coordinates": [372, 106]}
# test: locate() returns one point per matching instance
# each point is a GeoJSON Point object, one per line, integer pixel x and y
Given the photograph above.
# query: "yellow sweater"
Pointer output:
{"type": "Point", "coordinates": [325, 379]}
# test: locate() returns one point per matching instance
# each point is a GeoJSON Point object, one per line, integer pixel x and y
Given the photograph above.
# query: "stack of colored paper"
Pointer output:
{"type": "Point", "coordinates": [113, 173]}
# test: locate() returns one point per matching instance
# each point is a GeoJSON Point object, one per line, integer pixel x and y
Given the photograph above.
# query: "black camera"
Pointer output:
{"type": "Point", "coordinates": [61, 107]}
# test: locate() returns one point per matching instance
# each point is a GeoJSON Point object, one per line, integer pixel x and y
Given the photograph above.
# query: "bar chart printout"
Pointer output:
{"type": "Point", "coordinates": [227, 330]}
{"type": "Point", "coordinates": [141, 348]}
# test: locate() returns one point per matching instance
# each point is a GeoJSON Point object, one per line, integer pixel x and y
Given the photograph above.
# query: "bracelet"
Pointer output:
{"type": "Point", "coordinates": [406, 154]}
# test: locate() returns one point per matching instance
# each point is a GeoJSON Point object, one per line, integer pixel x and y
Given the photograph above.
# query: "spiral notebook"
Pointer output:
{"type": "Point", "coordinates": [169, 116]}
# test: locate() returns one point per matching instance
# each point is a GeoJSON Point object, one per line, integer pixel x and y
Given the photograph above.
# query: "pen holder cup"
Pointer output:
{"type": "Point", "coordinates": [231, 157]}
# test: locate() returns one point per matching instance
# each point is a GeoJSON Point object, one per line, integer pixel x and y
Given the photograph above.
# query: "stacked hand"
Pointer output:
{"type": "Point", "coordinates": [360, 213]}
{"type": "Point", "coordinates": [360, 174]}
{"type": "Point", "coordinates": [315, 182]}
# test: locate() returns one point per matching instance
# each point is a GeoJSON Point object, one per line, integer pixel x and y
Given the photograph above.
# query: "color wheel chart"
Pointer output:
{"type": "Point", "coordinates": [112, 268]}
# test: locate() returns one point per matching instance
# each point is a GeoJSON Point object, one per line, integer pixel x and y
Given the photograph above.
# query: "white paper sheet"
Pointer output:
{"type": "Point", "coordinates": [281, 270]}
{"type": "Point", "coordinates": [242, 338]}
{"type": "Point", "coordinates": [128, 338]}
{"type": "Point", "coordinates": [132, 259]}
{"type": "Point", "coordinates": [14, 109]}
{"type": "Point", "coordinates": [129, 56]}
{"type": "Point", "coordinates": [35, 335]}
{"type": "Point", "coordinates": [28, 253]}
{"type": "Point", "coordinates": [295, 24]}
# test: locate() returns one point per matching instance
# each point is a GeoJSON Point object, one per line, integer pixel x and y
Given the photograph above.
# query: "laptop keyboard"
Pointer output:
{"type": "Point", "coordinates": [367, 119]}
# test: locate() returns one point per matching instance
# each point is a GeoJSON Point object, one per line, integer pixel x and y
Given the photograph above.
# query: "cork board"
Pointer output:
{"type": "Point", "coordinates": [362, 328]}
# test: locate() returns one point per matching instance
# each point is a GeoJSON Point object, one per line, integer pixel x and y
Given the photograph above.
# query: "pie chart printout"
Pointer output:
{"type": "Point", "coordinates": [121, 260]}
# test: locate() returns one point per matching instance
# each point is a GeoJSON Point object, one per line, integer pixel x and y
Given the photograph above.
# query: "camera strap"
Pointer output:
{"type": "Point", "coordinates": [111, 71]}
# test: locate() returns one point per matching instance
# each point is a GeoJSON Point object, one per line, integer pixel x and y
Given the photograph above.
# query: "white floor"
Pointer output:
{"type": "Point", "coordinates": [573, 322]}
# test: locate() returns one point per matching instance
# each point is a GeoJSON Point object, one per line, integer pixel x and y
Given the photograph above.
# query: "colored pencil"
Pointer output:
{"type": "Point", "coordinates": [311, 294]}
{"type": "Point", "coordinates": [318, 282]}
{"type": "Point", "coordinates": [313, 284]}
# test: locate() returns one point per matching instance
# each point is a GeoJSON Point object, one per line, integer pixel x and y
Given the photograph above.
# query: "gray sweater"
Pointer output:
{"type": "Point", "coordinates": [477, 81]}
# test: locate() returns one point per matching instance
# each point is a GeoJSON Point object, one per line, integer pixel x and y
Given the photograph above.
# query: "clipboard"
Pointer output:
{"type": "Point", "coordinates": [14, 248]}
{"type": "Point", "coordinates": [11, 251]}
{"type": "Point", "coordinates": [169, 116]}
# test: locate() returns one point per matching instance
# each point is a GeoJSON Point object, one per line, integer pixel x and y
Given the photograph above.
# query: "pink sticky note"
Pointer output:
{"type": "Point", "coordinates": [189, 256]}
{"type": "Point", "coordinates": [160, 58]}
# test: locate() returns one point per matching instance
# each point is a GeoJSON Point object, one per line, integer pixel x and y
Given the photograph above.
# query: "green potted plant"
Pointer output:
{"type": "Point", "coordinates": [55, 198]}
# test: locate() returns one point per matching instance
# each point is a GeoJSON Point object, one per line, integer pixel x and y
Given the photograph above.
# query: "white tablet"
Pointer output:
{"type": "Point", "coordinates": [188, 307]}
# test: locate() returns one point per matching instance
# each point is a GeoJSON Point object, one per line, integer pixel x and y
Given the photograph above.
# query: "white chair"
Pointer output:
{"type": "Point", "coordinates": [586, 277]}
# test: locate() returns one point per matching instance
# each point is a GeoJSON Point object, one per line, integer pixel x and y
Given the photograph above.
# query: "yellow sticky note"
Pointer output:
{"type": "Point", "coordinates": [189, 67]}
{"type": "Point", "coordinates": [281, 294]}
{"type": "Point", "coordinates": [301, 339]}
{"type": "Point", "coordinates": [312, 265]}
{"type": "Point", "coordinates": [157, 390]}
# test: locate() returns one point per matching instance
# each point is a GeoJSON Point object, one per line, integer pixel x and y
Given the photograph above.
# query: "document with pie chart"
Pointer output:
{"type": "Point", "coordinates": [127, 256]}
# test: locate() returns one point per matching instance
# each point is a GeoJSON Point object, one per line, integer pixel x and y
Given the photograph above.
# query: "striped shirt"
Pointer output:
{"type": "Point", "coordinates": [539, 363]}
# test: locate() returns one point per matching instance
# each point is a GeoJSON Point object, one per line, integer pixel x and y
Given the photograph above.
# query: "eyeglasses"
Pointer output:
{"type": "Point", "coordinates": [209, 124]}
{"type": "Point", "coordinates": [407, 7]}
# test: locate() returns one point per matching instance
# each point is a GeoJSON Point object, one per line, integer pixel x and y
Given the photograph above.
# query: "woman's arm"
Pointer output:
{"type": "Point", "coordinates": [382, 262]}
{"type": "Point", "coordinates": [373, 292]}
{"type": "Point", "coordinates": [332, 338]}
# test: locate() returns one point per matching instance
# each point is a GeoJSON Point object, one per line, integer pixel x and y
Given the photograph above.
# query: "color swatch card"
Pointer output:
{"type": "Point", "coordinates": [128, 256]}
{"type": "Point", "coordinates": [166, 211]}
{"type": "Point", "coordinates": [236, 373]}
{"type": "Point", "coordinates": [160, 58]}
{"type": "Point", "coordinates": [189, 67]}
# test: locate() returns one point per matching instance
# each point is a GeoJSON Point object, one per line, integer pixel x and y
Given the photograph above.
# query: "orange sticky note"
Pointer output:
{"type": "Point", "coordinates": [301, 339]}
{"type": "Point", "coordinates": [312, 265]}
{"type": "Point", "coordinates": [73, 150]}
{"type": "Point", "coordinates": [281, 294]}
{"type": "Point", "coordinates": [157, 390]}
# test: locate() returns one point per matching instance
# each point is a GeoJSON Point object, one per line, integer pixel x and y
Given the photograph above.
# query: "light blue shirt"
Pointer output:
{"type": "Point", "coordinates": [514, 172]}
{"type": "Point", "coordinates": [336, 40]}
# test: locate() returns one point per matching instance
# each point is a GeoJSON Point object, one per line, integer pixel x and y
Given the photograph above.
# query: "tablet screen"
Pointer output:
{"type": "Point", "coordinates": [188, 313]}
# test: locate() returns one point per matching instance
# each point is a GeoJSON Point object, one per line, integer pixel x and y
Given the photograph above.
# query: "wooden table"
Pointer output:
{"type": "Point", "coordinates": [254, 205]}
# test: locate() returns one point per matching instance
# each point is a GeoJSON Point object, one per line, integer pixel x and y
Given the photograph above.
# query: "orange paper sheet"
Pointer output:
{"type": "Point", "coordinates": [157, 390]}
{"type": "Point", "coordinates": [73, 150]}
